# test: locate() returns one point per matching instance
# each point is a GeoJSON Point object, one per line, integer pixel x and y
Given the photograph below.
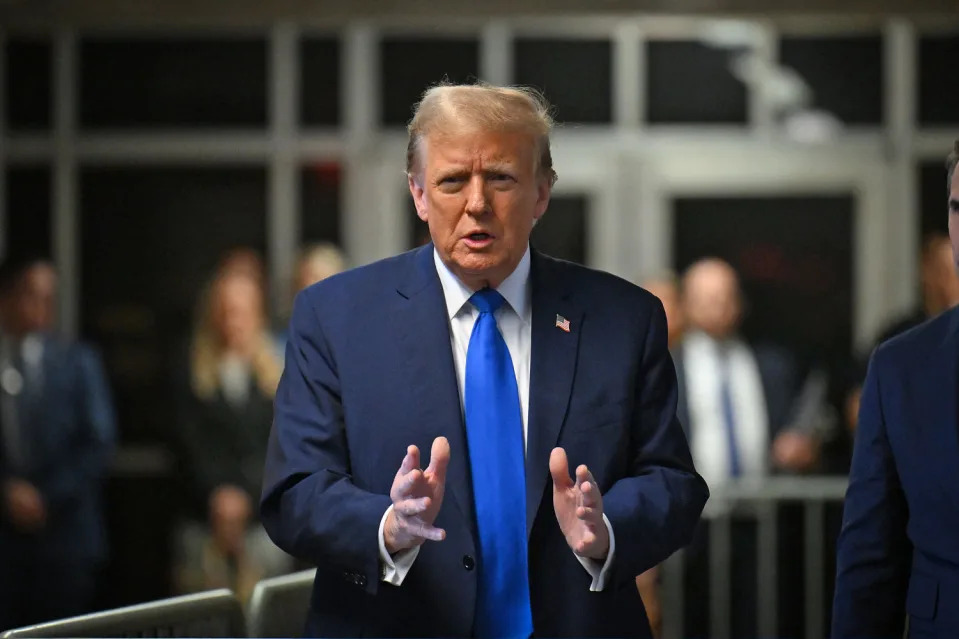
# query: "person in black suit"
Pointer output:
{"type": "Point", "coordinates": [57, 435]}
{"type": "Point", "coordinates": [225, 411]}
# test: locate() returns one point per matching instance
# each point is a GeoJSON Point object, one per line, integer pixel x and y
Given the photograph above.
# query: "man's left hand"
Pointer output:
{"type": "Point", "coordinates": [579, 508]}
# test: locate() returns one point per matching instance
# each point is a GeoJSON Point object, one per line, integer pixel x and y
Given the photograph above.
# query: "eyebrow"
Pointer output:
{"type": "Point", "coordinates": [954, 205]}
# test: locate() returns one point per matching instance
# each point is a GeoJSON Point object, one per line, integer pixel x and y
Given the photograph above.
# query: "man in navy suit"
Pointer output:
{"type": "Point", "coordinates": [898, 554]}
{"type": "Point", "coordinates": [57, 435]}
{"type": "Point", "coordinates": [510, 368]}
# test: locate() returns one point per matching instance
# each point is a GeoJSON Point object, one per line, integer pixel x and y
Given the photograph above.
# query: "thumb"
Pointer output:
{"type": "Point", "coordinates": [559, 469]}
{"type": "Point", "coordinates": [439, 458]}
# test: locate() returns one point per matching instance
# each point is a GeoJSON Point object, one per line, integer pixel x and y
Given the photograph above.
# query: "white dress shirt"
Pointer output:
{"type": "Point", "coordinates": [514, 321]}
{"type": "Point", "coordinates": [703, 362]}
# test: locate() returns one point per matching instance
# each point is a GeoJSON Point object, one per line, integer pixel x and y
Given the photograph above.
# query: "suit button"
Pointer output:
{"type": "Point", "coordinates": [468, 562]}
{"type": "Point", "coordinates": [361, 581]}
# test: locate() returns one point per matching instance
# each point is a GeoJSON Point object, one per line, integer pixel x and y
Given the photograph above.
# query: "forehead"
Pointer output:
{"type": "Point", "coordinates": [462, 148]}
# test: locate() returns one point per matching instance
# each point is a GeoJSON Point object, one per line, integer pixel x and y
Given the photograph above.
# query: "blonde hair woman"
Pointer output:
{"type": "Point", "coordinates": [225, 420]}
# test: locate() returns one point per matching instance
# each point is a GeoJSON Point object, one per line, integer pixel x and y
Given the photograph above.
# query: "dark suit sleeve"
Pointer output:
{"type": "Point", "coordinates": [310, 505]}
{"type": "Point", "coordinates": [873, 554]}
{"type": "Point", "coordinates": [654, 511]}
{"type": "Point", "coordinates": [96, 436]}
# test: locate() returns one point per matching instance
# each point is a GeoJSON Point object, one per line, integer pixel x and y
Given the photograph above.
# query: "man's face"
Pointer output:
{"type": "Point", "coordinates": [713, 300]}
{"type": "Point", "coordinates": [954, 216]}
{"type": "Point", "coordinates": [33, 301]}
{"type": "Point", "coordinates": [480, 194]}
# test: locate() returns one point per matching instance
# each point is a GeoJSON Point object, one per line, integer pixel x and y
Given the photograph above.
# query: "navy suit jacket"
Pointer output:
{"type": "Point", "coordinates": [68, 427]}
{"type": "Point", "coordinates": [898, 552]}
{"type": "Point", "coordinates": [370, 370]}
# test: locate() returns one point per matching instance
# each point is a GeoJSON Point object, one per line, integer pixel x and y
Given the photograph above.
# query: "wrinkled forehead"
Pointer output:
{"type": "Point", "coordinates": [472, 145]}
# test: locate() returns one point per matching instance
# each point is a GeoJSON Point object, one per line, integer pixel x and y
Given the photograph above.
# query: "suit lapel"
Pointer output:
{"type": "Point", "coordinates": [420, 319]}
{"type": "Point", "coordinates": [552, 367]}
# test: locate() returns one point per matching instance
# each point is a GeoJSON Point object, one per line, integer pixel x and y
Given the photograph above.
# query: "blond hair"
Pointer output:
{"type": "Point", "coordinates": [206, 348]}
{"type": "Point", "coordinates": [485, 107]}
{"type": "Point", "coordinates": [326, 255]}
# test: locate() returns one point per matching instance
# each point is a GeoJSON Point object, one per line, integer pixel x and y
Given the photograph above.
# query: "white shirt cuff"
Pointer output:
{"type": "Point", "coordinates": [599, 573]}
{"type": "Point", "coordinates": [393, 569]}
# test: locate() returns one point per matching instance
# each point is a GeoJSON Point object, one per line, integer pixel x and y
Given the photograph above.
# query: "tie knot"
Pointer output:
{"type": "Point", "coordinates": [487, 300]}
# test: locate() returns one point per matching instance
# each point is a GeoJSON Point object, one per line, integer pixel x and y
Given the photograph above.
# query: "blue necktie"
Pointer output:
{"type": "Point", "coordinates": [729, 415]}
{"type": "Point", "coordinates": [494, 432]}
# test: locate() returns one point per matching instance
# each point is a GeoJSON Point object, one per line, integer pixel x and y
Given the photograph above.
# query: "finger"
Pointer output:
{"type": "Point", "coordinates": [439, 459]}
{"type": "Point", "coordinates": [582, 474]}
{"type": "Point", "coordinates": [559, 469]}
{"type": "Point", "coordinates": [408, 483]}
{"type": "Point", "coordinates": [410, 461]}
{"type": "Point", "coordinates": [412, 507]}
{"type": "Point", "coordinates": [588, 515]}
{"type": "Point", "coordinates": [591, 498]}
{"type": "Point", "coordinates": [586, 542]}
{"type": "Point", "coordinates": [419, 529]}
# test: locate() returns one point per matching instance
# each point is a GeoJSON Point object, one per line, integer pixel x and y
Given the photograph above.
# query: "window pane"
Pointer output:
{"type": "Point", "coordinates": [409, 66]}
{"type": "Point", "coordinates": [29, 84]}
{"type": "Point", "coordinates": [151, 237]}
{"type": "Point", "coordinates": [320, 203]}
{"type": "Point", "coordinates": [938, 91]}
{"type": "Point", "coordinates": [845, 74]}
{"type": "Point", "coordinates": [691, 83]}
{"type": "Point", "coordinates": [563, 232]}
{"type": "Point", "coordinates": [173, 83]}
{"type": "Point", "coordinates": [28, 211]}
{"type": "Point", "coordinates": [575, 75]}
{"type": "Point", "coordinates": [933, 198]}
{"type": "Point", "coordinates": [320, 82]}
{"type": "Point", "coordinates": [795, 258]}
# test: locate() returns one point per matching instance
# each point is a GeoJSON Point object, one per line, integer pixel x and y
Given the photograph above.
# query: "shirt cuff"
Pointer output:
{"type": "Point", "coordinates": [393, 569]}
{"type": "Point", "coordinates": [599, 572]}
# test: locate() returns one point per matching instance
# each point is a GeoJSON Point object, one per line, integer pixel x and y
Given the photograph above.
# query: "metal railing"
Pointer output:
{"type": "Point", "coordinates": [757, 500]}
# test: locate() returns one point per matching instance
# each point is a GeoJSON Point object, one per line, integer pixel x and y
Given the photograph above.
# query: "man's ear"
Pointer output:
{"type": "Point", "coordinates": [419, 195]}
{"type": "Point", "coordinates": [543, 192]}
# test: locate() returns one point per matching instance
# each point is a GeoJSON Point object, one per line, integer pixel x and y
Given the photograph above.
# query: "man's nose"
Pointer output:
{"type": "Point", "coordinates": [476, 200]}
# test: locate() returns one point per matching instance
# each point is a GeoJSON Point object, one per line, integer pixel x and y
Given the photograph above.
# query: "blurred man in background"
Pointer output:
{"type": "Point", "coordinates": [737, 399]}
{"type": "Point", "coordinates": [665, 286]}
{"type": "Point", "coordinates": [737, 402]}
{"type": "Point", "coordinates": [56, 439]}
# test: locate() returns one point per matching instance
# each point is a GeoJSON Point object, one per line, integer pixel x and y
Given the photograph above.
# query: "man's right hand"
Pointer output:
{"type": "Point", "coordinates": [417, 496]}
{"type": "Point", "coordinates": [24, 504]}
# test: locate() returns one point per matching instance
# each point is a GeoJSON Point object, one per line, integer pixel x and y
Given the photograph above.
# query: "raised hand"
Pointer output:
{"type": "Point", "coordinates": [579, 508]}
{"type": "Point", "coordinates": [417, 496]}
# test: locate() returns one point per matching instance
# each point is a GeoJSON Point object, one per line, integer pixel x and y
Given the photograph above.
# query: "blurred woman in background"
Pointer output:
{"type": "Point", "coordinates": [225, 418]}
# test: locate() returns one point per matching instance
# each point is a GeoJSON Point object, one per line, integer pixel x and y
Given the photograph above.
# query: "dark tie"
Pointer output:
{"type": "Point", "coordinates": [729, 414]}
{"type": "Point", "coordinates": [494, 430]}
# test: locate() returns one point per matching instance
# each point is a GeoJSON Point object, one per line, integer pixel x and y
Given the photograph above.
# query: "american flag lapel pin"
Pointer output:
{"type": "Point", "coordinates": [562, 323]}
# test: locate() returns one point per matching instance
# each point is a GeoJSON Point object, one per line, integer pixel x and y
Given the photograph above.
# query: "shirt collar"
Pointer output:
{"type": "Point", "coordinates": [515, 288]}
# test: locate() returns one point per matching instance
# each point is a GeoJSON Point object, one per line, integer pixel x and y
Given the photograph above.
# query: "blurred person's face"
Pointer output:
{"type": "Point", "coordinates": [32, 302]}
{"type": "Point", "coordinates": [712, 299]}
{"type": "Point", "coordinates": [668, 294]}
{"type": "Point", "coordinates": [480, 193]}
{"type": "Point", "coordinates": [310, 272]}
{"type": "Point", "coordinates": [954, 218]}
{"type": "Point", "coordinates": [238, 311]}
